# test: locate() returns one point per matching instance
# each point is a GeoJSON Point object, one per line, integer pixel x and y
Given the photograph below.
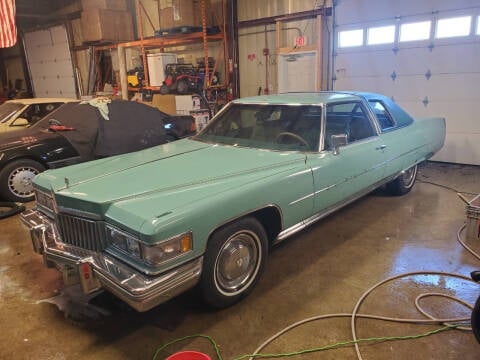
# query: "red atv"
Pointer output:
{"type": "Point", "coordinates": [184, 79]}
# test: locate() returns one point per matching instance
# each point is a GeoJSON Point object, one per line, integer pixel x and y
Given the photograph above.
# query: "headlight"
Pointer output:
{"type": "Point", "coordinates": [168, 249]}
{"type": "Point", "coordinates": [124, 241]}
{"type": "Point", "coordinates": [151, 254]}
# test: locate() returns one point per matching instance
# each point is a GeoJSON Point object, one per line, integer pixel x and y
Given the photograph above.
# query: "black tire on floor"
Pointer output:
{"type": "Point", "coordinates": [476, 320]}
{"type": "Point", "coordinates": [12, 209]}
{"type": "Point", "coordinates": [16, 180]}
{"type": "Point", "coordinates": [403, 183]}
{"type": "Point", "coordinates": [233, 262]}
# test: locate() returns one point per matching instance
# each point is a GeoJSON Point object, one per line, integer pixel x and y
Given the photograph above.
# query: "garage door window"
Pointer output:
{"type": "Point", "coordinates": [381, 35]}
{"type": "Point", "coordinates": [350, 38]}
{"type": "Point", "coordinates": [452, 27]}
{"type": "Point", "coordinates": [415, 31]}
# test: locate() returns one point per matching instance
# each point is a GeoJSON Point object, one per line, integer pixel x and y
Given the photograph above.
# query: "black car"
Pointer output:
{"type": "Point", "coordinates": [79, 132]}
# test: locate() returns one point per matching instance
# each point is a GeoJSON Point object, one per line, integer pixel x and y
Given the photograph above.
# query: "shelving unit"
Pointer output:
{"type": "Point", "coordinates": [168, 41]}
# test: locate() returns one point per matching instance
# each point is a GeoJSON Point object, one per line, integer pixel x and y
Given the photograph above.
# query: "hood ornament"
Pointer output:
{"type": "Point", "coordinates": [67, 182]}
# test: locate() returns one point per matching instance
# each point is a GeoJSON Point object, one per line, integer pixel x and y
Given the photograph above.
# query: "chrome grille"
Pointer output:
{"type": "Point", "coordinates": [83, 233]}
{"type": "Point", "coordinates": [44, 201]}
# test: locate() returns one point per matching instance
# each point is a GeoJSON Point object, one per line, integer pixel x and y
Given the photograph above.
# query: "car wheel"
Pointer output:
{"type": "Point", "coordinates": [403, 183]}
{"type": "Point", "coordinates": [234, 260]}
{"type": "Point", "coordinates": [164, 89]}
{"type": "Point", "coordinates": [16, 180]}
{"type": "Point", "coordinates": [182, 86]}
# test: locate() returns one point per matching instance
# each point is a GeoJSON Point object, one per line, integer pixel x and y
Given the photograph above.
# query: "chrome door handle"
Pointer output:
{"type": "Point", "coordinates": [381, 147]}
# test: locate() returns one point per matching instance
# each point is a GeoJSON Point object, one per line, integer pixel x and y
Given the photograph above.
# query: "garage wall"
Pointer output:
{"type": "Point", "coordinates": [257, 71]}
{"type": "Point", "coordinates": [431, 77]}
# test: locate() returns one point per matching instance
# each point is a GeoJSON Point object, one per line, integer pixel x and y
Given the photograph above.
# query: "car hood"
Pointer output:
{"type": "Point", "coordinates": [166, 177]}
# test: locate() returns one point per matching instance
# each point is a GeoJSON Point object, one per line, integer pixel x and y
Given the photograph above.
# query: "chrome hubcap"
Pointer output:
{"type": "Point", "coordinates": [238, 262]}
{"type": "Point", "coordinates": [408, 176]}
{"type": "Point", "coordinates": [20, 181]}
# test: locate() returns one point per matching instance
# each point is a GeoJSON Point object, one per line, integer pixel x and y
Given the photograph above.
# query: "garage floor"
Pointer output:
{"type": "Point", "coordinates": [323, 270]}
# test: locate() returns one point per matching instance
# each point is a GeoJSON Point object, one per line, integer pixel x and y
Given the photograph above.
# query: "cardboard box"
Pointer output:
{"type": "Point", "coordinates": [107, 25]}
{"type": "Point", "coordinates": [165, 103]}
{"type": "Point", "coordinates": [185, 13]}
{"type": "Point", "coordinates": [186, 103]}
{"type": "Point", "coordinates": [175, 13]}
{"type": "Point", "coordinates": [162, 4]}
{"type": "Point", "coordinates": [202, 117]}
{"type": "Point", "coordinates": [166, 18]}
{"type": "Point", "coordinates": [104, 4]}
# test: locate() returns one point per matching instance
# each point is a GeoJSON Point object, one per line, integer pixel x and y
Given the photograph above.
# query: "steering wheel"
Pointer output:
{"type": "Point", "coordinates": [295, 136]}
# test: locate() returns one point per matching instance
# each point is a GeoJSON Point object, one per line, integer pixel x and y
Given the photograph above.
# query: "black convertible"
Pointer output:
{"type": "Point", "coordinates": [78, 132]}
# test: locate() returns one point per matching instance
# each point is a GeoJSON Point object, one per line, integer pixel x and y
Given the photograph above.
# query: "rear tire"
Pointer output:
{"type": "Point", "coordinates": [404, 182]}
{"type": "Point", "coordinates": [16, 180]}
{"type": "Point", "coordinates": [233, 262]}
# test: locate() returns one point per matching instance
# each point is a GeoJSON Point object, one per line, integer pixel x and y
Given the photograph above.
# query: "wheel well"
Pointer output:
{"type": "Point", "coordinates": [20, 158]}
{"type": "Point", "coordinates": [269, 217]}
{"type": "Point", "coordinates": [271, 220]}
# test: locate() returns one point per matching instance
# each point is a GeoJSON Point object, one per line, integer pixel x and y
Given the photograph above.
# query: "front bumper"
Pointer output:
{"type": "Point", "coordinates": [98, 270]}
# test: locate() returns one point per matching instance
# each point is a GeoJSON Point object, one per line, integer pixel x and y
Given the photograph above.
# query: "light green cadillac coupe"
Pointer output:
{"type": "Point", "coordinates": [204, 211]}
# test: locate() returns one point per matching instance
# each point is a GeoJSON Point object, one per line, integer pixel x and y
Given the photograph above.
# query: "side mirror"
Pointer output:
{"type": "Point", "coordinates": [54, 122]}
{"type": "Point", "coordinates": [20, 122]}
{"type": "Point", "coordinates": [337, 141]}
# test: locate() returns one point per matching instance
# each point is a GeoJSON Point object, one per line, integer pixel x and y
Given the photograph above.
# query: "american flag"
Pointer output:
{"type": "Point", "coordinates": [8, 34]}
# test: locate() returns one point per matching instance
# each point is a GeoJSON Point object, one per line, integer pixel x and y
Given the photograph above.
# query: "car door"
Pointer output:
{"type": "Point", "coordinates": [359, 164]}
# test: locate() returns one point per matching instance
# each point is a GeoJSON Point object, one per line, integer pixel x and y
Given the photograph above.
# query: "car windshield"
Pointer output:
{"type": "Point", "coordinates": [7, 110]}
{"type": "Point", "coordinates": [273, 127]}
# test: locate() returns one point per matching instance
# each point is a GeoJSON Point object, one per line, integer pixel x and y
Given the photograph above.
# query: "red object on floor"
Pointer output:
{"type": "Point", "coordinates": [188, 355]}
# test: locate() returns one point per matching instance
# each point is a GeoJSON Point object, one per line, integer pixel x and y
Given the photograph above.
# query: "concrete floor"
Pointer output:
{"type": "Point", "coordinates": [324, 269]}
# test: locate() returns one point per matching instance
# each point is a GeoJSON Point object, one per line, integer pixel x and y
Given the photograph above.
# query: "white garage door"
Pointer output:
{"type": "Point", "coordinates": [424, 54]}
{"type": "Point", "coordinates": [50, 63]}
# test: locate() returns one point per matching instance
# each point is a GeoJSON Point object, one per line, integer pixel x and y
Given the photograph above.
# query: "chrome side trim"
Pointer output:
{"type": "Point", "coordinates": [309, 221]}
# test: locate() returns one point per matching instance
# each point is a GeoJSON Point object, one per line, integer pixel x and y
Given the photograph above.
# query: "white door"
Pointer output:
{"type": "Point", "coordinates": [423, 54]}
{"type": "Point", "coordinates": [297, 72]}
{"type": "Point", "coordinates": [50, 63]}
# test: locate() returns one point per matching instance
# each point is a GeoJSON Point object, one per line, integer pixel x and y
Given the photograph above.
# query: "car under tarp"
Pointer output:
{"type": "Point", "coordinates": [130, 127]}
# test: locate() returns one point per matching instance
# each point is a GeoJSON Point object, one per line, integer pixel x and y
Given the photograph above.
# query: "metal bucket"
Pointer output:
{"type": "Point", "coordinates": [473, 219]}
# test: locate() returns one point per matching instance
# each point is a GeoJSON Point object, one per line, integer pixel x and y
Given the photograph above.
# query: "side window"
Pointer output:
{"type": "Point", "coordinates": [349, 118]}
{"type": "Point", "coordinates": [35, 112]}
{"type": "Point", "coordinates": [383, 116]}
{"type": "Point", "coordinates": [27, 113]}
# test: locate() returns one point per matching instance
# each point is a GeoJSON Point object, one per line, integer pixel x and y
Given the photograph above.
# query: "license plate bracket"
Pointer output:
{"type": "Point", "coordinates": [88, 279]}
